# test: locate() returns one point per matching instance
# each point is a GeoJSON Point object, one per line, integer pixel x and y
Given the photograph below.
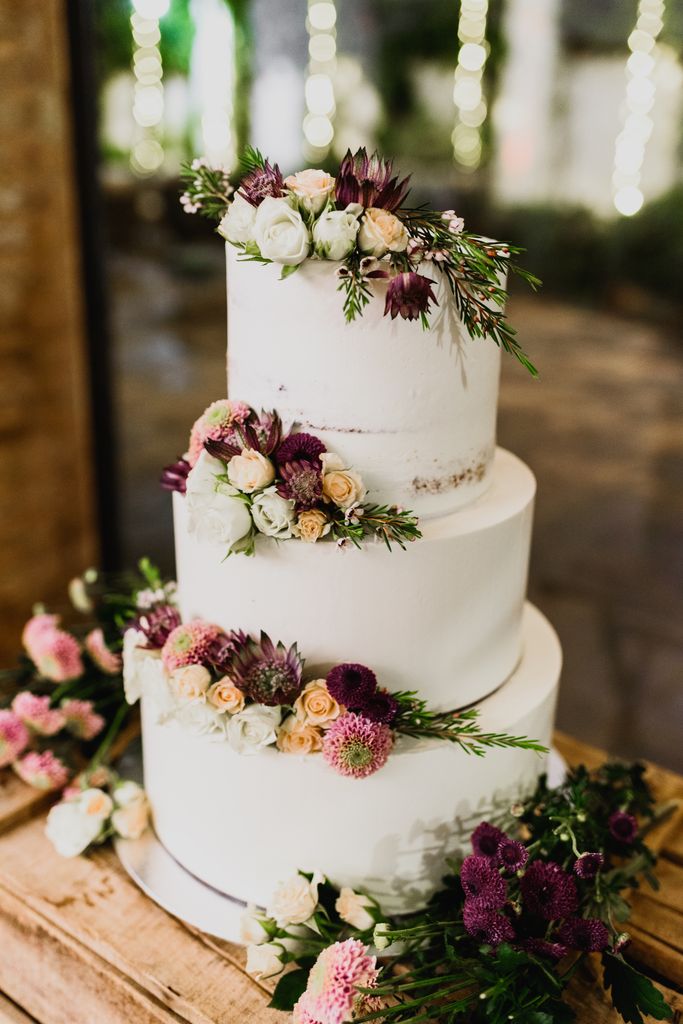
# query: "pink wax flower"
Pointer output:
{"type": "Point", "coordinates": [332, 995]}
{"type": "Point", "coordinates": [215, 424]}
{"type": "Point", "coordinates": [36, 713]}
{"type": "Point", "coordinates": [81, 719]}
{"type": "Point", "coordinates": [14, 737]}
{"type": "Point", "coordinates": [43, 771]}
{"type": "Point", "coordinates": [106, 660]}
{"type": "Point", "coordinates": [356, 746]}
{"type": "Point", "coordinates": [190, 644]}
{"type": "Point", "coordinates": [33, 630]}
{"type": "Point", "coordinates": [57, 655]}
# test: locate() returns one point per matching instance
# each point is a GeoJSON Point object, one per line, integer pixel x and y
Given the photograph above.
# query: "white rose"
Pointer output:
{"type": "Point", "coordinates": [251, 927]}
{"type": "Point", "coordinates": [201, 718]}
{"type": "Point", "coordinates": [381, 232]}
{"type": "Point", "coordinates": [216, 516]}
{"type": "Point", "coordinates": [273, 514]}
{"type": "Point", "coordinates": [311, 188]}
{"type": "Point", "coordinates": [237, 225]}
{"type": "Point", "coordinates": [295, 901]}
{"type": "Point", "coordinates": [135, 659]}
{"type": "Point", "coordinates": [131, 821]}
{"type": "Point", "coordinates": [281, 234]}
{"type": "Point", "coordinates": [70, 829]}
{"type": "Point", "coordinates": [127, 793]}
{"type": "Point", "coordinates": [190, 682]}
{"type": "Point", "coordinates": [263, 961]}
{"type": "Point", "coordinates": [250, 471]}
{"type": "Point", "coordinates": [344, 487]}
{"type": "Point", "coordinates": [352, 907]}
{"type": "Point", "coordinates": [254, 728]}
{"type": "Point", "coordinates": [334, 233]}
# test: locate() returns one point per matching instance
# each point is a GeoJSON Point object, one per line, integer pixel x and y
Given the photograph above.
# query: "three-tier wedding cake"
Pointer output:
{"type": "Point", "coordinates": [381, 431]}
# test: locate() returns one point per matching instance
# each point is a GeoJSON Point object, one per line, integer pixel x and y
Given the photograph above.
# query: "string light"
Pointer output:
{"type": "Point", "coordinates": [629, 152]}
{"type": "Point", "coordinates": [319, 87]}
{"type": "Point", "coordinates": [147, 154]}
{"type": "Point", "coordinates": [468, 94]}
{"type": "Point", "coordinates": [212, 75]}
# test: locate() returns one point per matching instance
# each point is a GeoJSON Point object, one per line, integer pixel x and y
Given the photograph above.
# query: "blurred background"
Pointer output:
{"type": "Point", "coordinates": [553, 123]}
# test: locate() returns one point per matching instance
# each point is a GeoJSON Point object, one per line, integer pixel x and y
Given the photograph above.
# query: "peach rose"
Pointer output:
{"type": "Point", "coordinates": [381, 232]}
{"type": "Point", "coordinates": [295, 737]}
{"type": "Point", "coordinates": [190, 682]}
{"type": "Point", "coordinates": [353, 908]}
{"type": "Point", "coordinates": [341, 486]}
{"type": "Point", "coordinates": [96, 803]}
{"type": "Point", "coordinates": [251, 471]}
{"type": "Point", "coordinates": [315, 705]}
{"type": "Point", "coordinates": [131, 821]}
{"type": "Point", "coordinates": [225, 696]}
{"type": "Point", "coordinates": [311, 525]}
{"type": "Point", "coordinates": [311, 187]}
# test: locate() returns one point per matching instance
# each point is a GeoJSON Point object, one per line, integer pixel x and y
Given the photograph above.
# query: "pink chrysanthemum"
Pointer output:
{"type": "Point", "coordinates": [190, 644]}
{"type": "Point", "coordinates": [36, 713]}
{"type": "Point", "coordinates": [356, 746]}
{"type": "Point", "coordinates": [57, 655]}
{"type": "Point", "coordinates": [14, 737]}
{"type": "Point", "coordinates": [106, 660]}
{"type": "Point", "coordinates": [332, 995]}
{"type": "Point", "coordinates": [215, 424]}
{"type": "Point", "coordinates": [81, 719]}
{"type": "Point", "coordinates": [43, 771]}
{"type": "Point", "coordinates": [33, 630]}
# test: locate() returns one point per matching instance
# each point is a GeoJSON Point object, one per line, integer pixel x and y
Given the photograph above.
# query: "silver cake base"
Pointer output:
{"type": "Point", "coordinates": [162, 878]}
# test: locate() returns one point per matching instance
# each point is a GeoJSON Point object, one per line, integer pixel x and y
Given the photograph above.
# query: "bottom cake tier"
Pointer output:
{"type": "Point", "coordinates": [243, 824]}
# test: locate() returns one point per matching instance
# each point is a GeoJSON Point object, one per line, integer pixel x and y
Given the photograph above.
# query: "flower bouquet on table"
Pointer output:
{"type": "Point", "coordinates": [245, 476]}
{"type": "Point", "coordinates": [499, 942]}
{"type": "Point", "coordinates": [359, 220]}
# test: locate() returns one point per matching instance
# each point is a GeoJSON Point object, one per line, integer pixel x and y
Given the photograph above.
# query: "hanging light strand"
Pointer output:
{"type": "Point", "coordinates": [147, 154]}
{"type": "Point", "coordinates": [468, 93]}
{"type": "Point", "coordinates": [318, 123]}
{"type": "Point", "coordinates": [629, 153]}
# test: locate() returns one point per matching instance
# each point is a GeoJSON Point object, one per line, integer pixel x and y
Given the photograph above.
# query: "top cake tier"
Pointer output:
{"type": "Point", "coordinates": [413, 411]}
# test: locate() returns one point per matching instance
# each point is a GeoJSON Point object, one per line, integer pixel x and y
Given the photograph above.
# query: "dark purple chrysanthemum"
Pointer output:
{"type": "Point", "coordinates": [511, 855]}
{"type": "Point", "coordinates": [485, 924]}
{"type": "Point", "coordinates": [624, 827]}
{"type": "Point", "coordinates": [267, 673]}
{"type": "Point", "coordinates": [157, 624]}
{"type": "Point", "coordinates": [223, 650]}
{"type": "Point", "coordinates": [588, 865]}
{"type": "Point", "coordinates": [586, 934]}
{"type": "Point", "coordinates": [381, 707]}
{"type": "Point", "coordinates": [262, 182]}
{"type": "Point", "coordinates": [548, 891]}
{"type": "Point", "coordinates": [486, 839]}
{"type": "Point", "coordinates": [544, 947]}
{"type": "Point", "coordinates": [409, 295]}
{"type": "Point", "coordinates": [369, 180]}
{"type": "Point", "coordinates": [174, 477]}
{"type": "Point", "coordinates": [352, 685]}
{"type": "Point", "coordinates": [481, 881]}
{"type": "Point", "coordinates": [298, 459]}
{"type": "Point", "coordinates": [300, 447]}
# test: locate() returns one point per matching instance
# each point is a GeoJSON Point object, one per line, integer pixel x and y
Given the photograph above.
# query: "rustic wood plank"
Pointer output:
{"type": "Point", "coordinates": [10, 1013]}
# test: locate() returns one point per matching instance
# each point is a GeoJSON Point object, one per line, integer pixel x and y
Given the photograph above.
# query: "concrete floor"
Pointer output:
{"type": "Point", "coordinates": [602, 430]}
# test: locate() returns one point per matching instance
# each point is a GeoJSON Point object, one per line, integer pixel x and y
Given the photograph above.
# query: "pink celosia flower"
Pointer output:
{"type": "Point", "coordinates": [81, 719]}
{"type": "Point", "coordinates": [215, 424]}
{"type": "Point", "coordinates": [14, 737]}
{"type": "Point", "coordinates": [105, 659]}
{"type": "Point", "coordinates": [43, 771]}
{"type": "Point", "coordinates": [36, 713]}
{"type": "Point", "coordinates": [332, 995]}
{"type": "Point", "coordinates": [356, 746]}
{"type": "Point", "coordinates": [57, 655]}
{"type": "Point", "coordinates": [189, 644]}
{"type": "Point", "coordinates": [34, 628]}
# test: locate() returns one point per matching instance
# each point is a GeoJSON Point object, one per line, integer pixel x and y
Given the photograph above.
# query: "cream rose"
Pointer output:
{"type": "Point", "coordinates": [352, 907]}
{"type": "Point", "coordinates": [344, 487]}
{"type": "Point", "coordinates": [237, 226]}
{"type": "Point", "coordinates": [334, 233]}
{"type": "Point", "coordinates": [297, 737]}
{"type": "Point", "coordinates": [252, 930]}
{"type": "Point", "coordinates": [315, 705]}
{"type": "Point", "coordinates": [131, 821]}
{"type": "Point", "coordinates": [225, 696]}
{"type": "Point", "coordinates": [254, 728]}
{"type": "Point", "coordinates": [190, 682]}
{"type": "Point", "coordinates": [127, 793]}
{"type": "Point", "coordinates": [96, 804]}
{"type": "Point", "coordinates": [381, 232]}
{"type": "Point", "coordinates": [311, 525]}
{"type": "Point", "coordinates": [70, 829]}
{"type": "Point", "coordinates": [263, 960]}
{"type": "Point", "coordinates": [216, 515]}
{"type": "Point", "coordinates": [273, 515]}
{"type": "Point", "coordinates": [312, 188]}
{"type": "Point", "coordinates": [280, 232]}
{"type": "Point", "coordinates": [251, 471]}
{"type": "Point", "coordinates": [295, 901]}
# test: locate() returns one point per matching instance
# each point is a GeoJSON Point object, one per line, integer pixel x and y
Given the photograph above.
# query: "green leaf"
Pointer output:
{"type": "Point", "coordinates": [288, 989]}
{"type": "Point", "coordinates": [633, 995]}
{"type": "Point", "coordinates": [289, 269]}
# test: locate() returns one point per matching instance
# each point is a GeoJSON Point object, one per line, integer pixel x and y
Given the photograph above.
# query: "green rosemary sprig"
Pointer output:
{"type": "Point", "coordinates": [252, 159]}
{"type": "Point", "coordinates": [389, 523]}
{"type": "Point", "coordinates": [415, 718]}
{"type": "Point", "coordinates": [207, 189]}
{"type": "Point", "coordinates": [357, 293]}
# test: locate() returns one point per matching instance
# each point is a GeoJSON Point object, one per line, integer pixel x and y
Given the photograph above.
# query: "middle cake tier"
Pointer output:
{"type": "Point", "coordinates": [443, 617]}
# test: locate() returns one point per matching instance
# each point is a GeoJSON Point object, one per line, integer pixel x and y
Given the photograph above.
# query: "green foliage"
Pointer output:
{"type": "Point", "coordinates": [633, 995]}
{"type": "Point", "coordinates": [288, 989]}
{"type": "Point", "coordinates": [415, 718]}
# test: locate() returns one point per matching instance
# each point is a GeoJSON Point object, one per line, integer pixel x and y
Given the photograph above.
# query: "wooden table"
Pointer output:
{"type": "Point", "coordinates": [80, 944]}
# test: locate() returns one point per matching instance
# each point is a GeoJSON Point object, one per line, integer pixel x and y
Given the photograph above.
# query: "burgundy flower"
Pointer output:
{"type": "Point", "coordinates": [262, 182]}
{"type": "Point", "coordinates": [157, 624]}
{"type": "Point", "coordinates": [485, 924]}
{"type": "Point", "coordinates": [548, 891]}
{"type": "Point", "coordinates": [352, 685]}
{"type": "Point", "coordinates": [481, 881]}
{"type": "Point", "coordinates": [262, 432]}
{"type": "Point", "coordinates": [226, 447]}
{"type": "Point", "coordinates": [381, 707]}
{"type": "Point", "coordinates": [300, 447]}
{"type": "Point", "coordinates": [267, 673]}
{"type": "Point", "coordinates": [298, 459]}
{"type": "Point", "coordinates": [624, 827]}
{"type": "Point", "coordinates": [224, 648]}
{"type": "Point", "coordinates": [368, 180]}
{"type": "Point", "coordinates": [409, 294]}
{"type": "Point", "coordinates": [174, 477]}
{"type": "Point", "coordinates": [586, 934]}
{"type": "Point", "coordinates": [486, 839]}
{"type": "Point", "coordinates": [544, 947]}
{"type": "Point", "coordinates": [511, 855]}
{"type": "Point", "coordinates": [588, 865]}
